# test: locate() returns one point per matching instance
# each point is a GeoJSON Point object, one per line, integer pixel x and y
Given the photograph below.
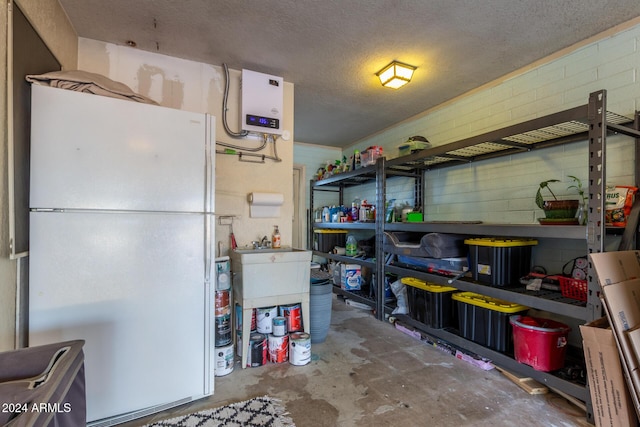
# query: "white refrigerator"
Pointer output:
{"type": "Point", "coordinates": [121, 237]}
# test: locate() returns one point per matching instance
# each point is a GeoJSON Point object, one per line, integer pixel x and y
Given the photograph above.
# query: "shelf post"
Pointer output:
{"type": "Point", "coordinates": [310, 217]}
{"type": "Point", "coordinates": [636, 126]}
{"type": "Point", "coordinates": [596, 115]}
{"type": "Point", "coordinates": [381, 197]}
{"type": "Point", "coordinates": [418, 189]}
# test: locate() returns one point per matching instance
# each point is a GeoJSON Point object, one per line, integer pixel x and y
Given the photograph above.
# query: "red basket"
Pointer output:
{"type": "Point", "coordinates": [573, 288]}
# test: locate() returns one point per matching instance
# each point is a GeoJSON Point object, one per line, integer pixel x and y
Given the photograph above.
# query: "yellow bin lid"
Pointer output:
{"type": "Point", "coordinates": [326, 231]}
{"type": "Point", "coordinates": [488, 302]}
{"type": "Point", "coordinates": [426, 286]}
{"type": "Point", "coordinates": [498, 242]}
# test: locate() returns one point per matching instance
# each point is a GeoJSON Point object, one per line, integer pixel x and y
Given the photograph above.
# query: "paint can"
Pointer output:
{"type": "Point", "coordinates": [223, 273]}
{"type": "Point", "coordinates": [299, 348]}
{"type": "Point", "coordinates": [239, 318]}
{"type": "Point", "coordinates": [279, 327]}
{"type": "Point", "coordinates": [293, 314]}
{"type": "Point", "coordinates": [239, 343]}
{"type": "Point", "coordinates": [222, 330]}
{"type": "Point", "coordinates": [257, 355]}
{"type": "Point", "coordinates": [265, 319]}
{"type": "Point", "coordinates": [222, 303]}
{"type": "Point", "coordinates": [223, 360]}
{"type": "Point", "coordinates": [238, 312]}
{"type": "Point", "coordinates": [278, 348]}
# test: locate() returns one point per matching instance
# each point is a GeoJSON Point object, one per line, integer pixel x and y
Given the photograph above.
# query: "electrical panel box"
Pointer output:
{"type": "Point", "coordinates": [262, 102]}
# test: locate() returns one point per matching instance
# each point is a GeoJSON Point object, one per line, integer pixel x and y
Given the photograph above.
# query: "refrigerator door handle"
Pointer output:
{"type": "Point", "coordinates": [207, 248]}
{"type": "Point", "coordinates": [209, 197]}
{"type": "Point", "coordinates": [209, 166]}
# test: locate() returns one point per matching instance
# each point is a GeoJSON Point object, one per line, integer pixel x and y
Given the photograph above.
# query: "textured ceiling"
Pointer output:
{"type": "Point", "coordinates": [331, 49]}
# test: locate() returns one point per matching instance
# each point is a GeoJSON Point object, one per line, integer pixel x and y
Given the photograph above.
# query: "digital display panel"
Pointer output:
{"type": "Point", "coordinates": [265, 122]}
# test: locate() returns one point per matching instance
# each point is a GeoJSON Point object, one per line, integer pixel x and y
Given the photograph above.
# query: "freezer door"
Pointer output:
{"type": "Point", "coordinates": [132, 286]}
{"type": "Point", "coordinates": [95, 152]}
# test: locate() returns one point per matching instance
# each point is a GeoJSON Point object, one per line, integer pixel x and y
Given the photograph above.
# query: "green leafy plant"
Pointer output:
{"type": "Point", "coordinates": [539, 197]}
{"type": "Point", "coordinates": [578, 186]}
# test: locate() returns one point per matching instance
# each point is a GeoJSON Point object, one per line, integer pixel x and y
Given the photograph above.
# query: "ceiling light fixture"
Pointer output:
{"type": "Point", "coordinates": [396, 74]}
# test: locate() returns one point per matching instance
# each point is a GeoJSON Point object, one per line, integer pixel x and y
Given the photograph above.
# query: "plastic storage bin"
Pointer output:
{"type": "Point", "coordinates": [411, 146]}
{"type": "Point", "coordinates": [573, 288]}
{"type": "Point", "coordinates": [326, 240]}
{"type": "Point", "coordinates": [446, 266]}
{"type": "Point", "coordinates": [370, 155]}
{"type": "Point", "coordinates": [485, 320]}
{"type": "Point", "coordinates": [539, 343]}
{"type": "Point", "coordinates": [500, 262]}
{"type": "Point", "coordinates": [430, 303]}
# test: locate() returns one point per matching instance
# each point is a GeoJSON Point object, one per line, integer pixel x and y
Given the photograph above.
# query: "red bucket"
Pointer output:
{"type": "Point", "coordinates": [539, 343]}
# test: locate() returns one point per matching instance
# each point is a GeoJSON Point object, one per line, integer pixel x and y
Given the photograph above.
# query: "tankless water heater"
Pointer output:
{"type": "Point", "coordinates": [262, 102]}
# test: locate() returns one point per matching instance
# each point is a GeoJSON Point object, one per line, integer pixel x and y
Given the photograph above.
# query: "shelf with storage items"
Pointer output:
{"type": "Point", "coordinates": [590, 123]}
{"type": "Point", "coordinates": [336, 185]}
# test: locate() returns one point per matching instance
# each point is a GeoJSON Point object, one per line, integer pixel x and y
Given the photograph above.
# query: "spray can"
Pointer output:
{"type": "Point", "coordinates": [275, 238]}
{"type": "Point", "coordinates": [355, 210]}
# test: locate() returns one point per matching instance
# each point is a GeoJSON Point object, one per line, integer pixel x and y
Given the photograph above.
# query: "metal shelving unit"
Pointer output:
{"type": "Point", "coordinates": [590, 122]}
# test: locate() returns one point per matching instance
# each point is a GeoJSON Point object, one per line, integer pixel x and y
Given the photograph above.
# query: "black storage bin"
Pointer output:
{"type": "Point", "coordinates": [48, 376]}
{"type": "Point", "coordinates": [485, 320]}
{"type": "Point", "coordinates": [326, 240]}
{"type": "Point", "coordinates": [430, 304]}
{"type": "Point", "coordinates": [500, 262]}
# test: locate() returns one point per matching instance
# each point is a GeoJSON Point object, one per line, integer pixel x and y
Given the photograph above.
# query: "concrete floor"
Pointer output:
{"type": "Point", "coordinates": [367, 373]}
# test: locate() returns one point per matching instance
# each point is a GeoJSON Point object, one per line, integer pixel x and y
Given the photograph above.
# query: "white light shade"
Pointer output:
{"type": "Point", "coordinates": [396, 74]}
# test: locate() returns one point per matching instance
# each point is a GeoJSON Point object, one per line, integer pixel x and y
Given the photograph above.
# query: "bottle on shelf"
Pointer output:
{"type": "Point", "coordinates": [355, 209]}
{"type": "Point", "coordinates": [275, 238]}
{"type": "Point", "coordinates": [351, 246]}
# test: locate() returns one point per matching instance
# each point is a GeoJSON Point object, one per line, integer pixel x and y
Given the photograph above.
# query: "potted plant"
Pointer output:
{"type": "Point", "coordinates": [557, 210]}
{"type": "Point", "coordinates": [582, 208]}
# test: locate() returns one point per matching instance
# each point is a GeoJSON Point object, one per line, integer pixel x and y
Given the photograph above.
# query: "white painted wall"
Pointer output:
{"type": "Point", "coordinates": [199, 87]}
{"type": "Point", "coordinates": [314, 157]}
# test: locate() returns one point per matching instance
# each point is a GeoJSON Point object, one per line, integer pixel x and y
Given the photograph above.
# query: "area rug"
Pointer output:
{"type": "Point", "coordinates": [258, 412]}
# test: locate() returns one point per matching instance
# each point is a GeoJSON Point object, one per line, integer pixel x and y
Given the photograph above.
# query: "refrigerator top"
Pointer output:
{"type": "Point", "coordinates": [91, 152]}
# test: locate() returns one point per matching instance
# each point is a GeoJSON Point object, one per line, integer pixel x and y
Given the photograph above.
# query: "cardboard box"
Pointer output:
{"type": "Point", "coordinates": [623, 299]}
{"type": "Point", "coordinates": [610, 397]}
{"type": "Point", "coordinates": [619, 276]}
{"type": "Point", "coordinates": [633, 336]}
{"type": "Point", "coordinates": [350, 277]}
{"type": "Point", "coordinates": [617, 266]}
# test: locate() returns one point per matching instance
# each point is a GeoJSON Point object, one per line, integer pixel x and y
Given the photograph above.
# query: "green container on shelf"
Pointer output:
{"type": "Point", "coordinates": [414, 216]}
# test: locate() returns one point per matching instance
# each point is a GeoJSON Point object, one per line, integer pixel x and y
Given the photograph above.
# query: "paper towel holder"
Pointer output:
{"type": "Point", "coordinates": [265, 205]}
